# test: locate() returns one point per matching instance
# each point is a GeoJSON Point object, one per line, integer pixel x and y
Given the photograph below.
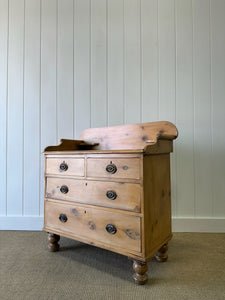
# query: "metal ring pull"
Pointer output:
{"type": "Point", "coordinates": [111, 195]}
{"type": "Point", "coordinates": [64, 189]}
{"type": "Point", "coordinates": [63, 218]}
{"type": "Point", "coordinates": [111, 168]}
{"type": "Point", "coordinates": [110, 228]}
{"type": "Point", "coordinates": [63, 166]}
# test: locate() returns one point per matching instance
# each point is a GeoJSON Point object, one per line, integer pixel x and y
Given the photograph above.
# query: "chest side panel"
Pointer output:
{"type": "Point", "coordinates": [157, 201]}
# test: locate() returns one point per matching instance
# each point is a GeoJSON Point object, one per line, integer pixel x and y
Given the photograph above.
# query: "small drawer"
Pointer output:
{"type": "Point", "coordinates": [111, 228]}
{"type": "Point", "coordinates": [128, 168]}
{"type": "Point", "coordinates": [109, 194]}
{"type": "Point", "coordinates": [65, 166]}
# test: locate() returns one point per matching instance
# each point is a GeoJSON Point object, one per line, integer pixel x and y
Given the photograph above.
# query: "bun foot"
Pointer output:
{"type": "Point", "coordinates": [140, 268]}
{"type": "Point", "coordinates": [161, 254]}
{"type": "Point", "coordinates": [53, 242]}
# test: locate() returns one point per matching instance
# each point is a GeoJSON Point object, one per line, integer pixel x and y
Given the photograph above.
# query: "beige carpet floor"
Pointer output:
{"type": "Point", "coordinates": [195, 270]}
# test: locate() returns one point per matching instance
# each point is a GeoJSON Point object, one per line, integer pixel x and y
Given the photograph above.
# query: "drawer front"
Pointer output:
{"type": "Point", "coordinates": [111, 228]}
{"type": "Point", "coordinates": [110, 194]}
{"type": "Point", "coordinates": [114, 168]}
{"type": "Point", "coordinates": [65, 166]}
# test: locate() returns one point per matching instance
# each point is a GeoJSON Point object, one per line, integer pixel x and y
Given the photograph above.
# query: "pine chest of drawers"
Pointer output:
{"type": "Point", "coordinates": [111, 189]}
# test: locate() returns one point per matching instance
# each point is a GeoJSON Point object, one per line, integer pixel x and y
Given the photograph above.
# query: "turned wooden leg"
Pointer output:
{"type": "Point", "coordinates": [140, 268]}
{"type": "Point", "coordinates": [161, 254]}
{"type": "Point", "coordinates": [53, 242]}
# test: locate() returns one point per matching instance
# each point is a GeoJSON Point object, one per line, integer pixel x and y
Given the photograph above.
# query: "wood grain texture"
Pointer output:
{"type": "Point", "coordinates": [95, 192]}
{"type": "Point", "coordinates": [91, 223]}
{"type": "Point", "coordinates": [75, 166]}
{"type": "Point", "coordinates": [125, 168]}
{"type": "Point", "coordinates": [157, 205]}
{"type": "Point", "coordinates": [136, 136]}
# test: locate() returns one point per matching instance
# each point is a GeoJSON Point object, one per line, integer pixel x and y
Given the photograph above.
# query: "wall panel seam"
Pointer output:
{"type": "Point", "coordinates": [141, 69]}
{"type": "Point", "coordinates": [40, 87]}
{"type": "Point", "coordinates": [211, 103]}
{"type": "Point", "coordinates": [7, 98]}
{"type": "Point", "coordinates": [24, 24]}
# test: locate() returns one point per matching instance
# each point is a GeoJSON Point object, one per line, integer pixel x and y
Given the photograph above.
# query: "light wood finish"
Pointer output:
{"type": "Point", "coordinates": [92, 223]}
{"type": "Point", "coordinates": [136, 136]}
{"type": "Point", "coordinates": [157, 207]}
{"type": "Point", "coordinates": [128, 195]}
{"type": "Point", "coordinates": [126, 168]}
{"type": "Point", "coordinates": [132, 164]}
{"type": "Point", "coordinates": [75, 166]}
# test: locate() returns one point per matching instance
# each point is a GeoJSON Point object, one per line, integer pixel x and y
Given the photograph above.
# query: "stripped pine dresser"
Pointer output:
{"type": "Point", "coordinates": [111, 189]}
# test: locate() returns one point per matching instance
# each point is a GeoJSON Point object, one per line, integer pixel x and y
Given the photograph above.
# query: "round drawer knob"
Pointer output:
{"type": "Point", "coordinates": [64, 189]}
{"type": "Point", "coordinates": [111, 195]}
{"type": "Point", "coordinates": [63, 218]}
{"type": "Point", "coordinates": [63, 166]}
{"type": "Point", "coordinates": [111, 168]}
{"type": "Point", "coordinates": [111, 228]}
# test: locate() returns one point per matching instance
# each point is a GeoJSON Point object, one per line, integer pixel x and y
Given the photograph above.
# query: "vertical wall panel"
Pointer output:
{"type": "Point", "coordinates": [184, 109]}
{"type": "Point", "coordinates": [82, 54]}
{"type": "Point", "coordinates": [48, 73]}
{"type": "Point", "coordinates": [31, 107]}
{"type": "Point", "coordinates": [98, 64]}
{"type": "Point", "coordinates": [115, 62]}
{"type": "Point", "coordinates": [166, 36]}
{"type": "Point", "coordinates": [202, 103]}
{"type": "Point", "coordinates": [132, 85]}
{"type": "Point", "coordinates": [65, 70]}
{"type": "Point", "coordinates": [218, 105]}
{"type": "Point", "coordinates": [48, 81]}
{"type": "Point", "coordinates": [166, 76]}
{"type": "Point", "coordinates": [67, 65]}
{"type": "Point", "coordinates": [3, 100]}
{"type": "Point", "coordinates": [149, 38]}
{"type": "Point", "coordinates": [15, 108]}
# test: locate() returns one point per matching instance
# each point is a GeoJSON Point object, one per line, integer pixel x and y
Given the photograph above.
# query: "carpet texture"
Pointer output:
{"type": "Point", "coordinates": [195, 270]}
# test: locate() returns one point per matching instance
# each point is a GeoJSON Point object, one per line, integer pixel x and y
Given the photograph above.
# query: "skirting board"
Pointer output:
{"type": "Point", "coordinates": [35, 223]}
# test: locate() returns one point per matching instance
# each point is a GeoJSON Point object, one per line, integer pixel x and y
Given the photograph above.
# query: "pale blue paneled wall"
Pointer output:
{"type": "Point", "coordinates": [67, 65]}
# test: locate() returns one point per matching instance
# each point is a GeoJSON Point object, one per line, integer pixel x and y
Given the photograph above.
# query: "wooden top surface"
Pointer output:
{"type": "Point", "coordinates": [137, 137]}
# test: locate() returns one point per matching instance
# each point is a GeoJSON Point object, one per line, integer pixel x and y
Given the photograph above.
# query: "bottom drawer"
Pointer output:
{"type": "Point", "coordinates": [108, 227]}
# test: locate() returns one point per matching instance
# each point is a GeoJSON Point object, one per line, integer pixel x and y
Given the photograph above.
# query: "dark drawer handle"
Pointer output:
{"type": "Point", "coordinates": [111, 228]}
{"type": "Point", "coordinates": [63, 166]}
{"type": "Point", "coordinates": [63, 218]}
{"type": "Point", "coordinates": [111, 168]}
{"type": "Point", "coordinates": [111, 195]}
{"type": "Point", "coordinates": [64, 189]}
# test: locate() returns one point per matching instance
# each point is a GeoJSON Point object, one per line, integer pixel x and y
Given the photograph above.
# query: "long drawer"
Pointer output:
{"type": "Point", "coordinates": [128, 168]}
{"type": "Point", "coordinates": [65, 166]}
{"type": "Point", "coordinates": [111, 228]}
{"type": "Point", "coordinates": [109, 194]}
